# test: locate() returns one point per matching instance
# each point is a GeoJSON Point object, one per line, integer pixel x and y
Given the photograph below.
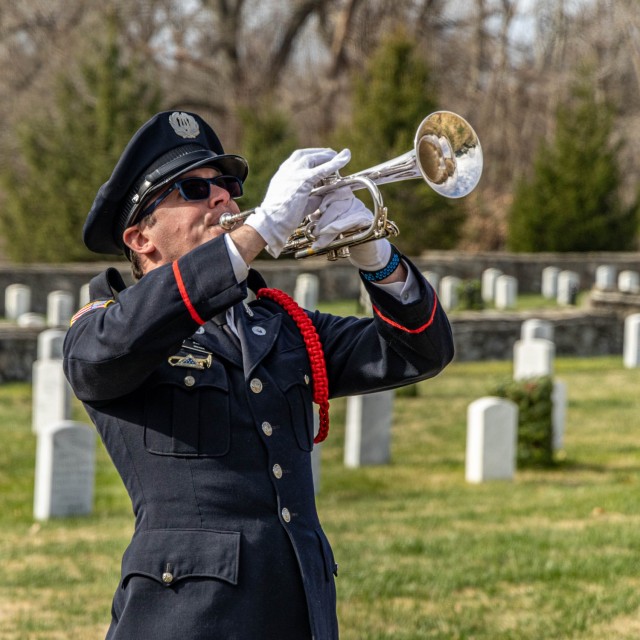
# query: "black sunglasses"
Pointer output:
{"type": "Point", "coordinates": [197, 189]}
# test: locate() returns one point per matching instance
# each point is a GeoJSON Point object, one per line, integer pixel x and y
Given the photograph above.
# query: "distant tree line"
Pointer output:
{"type": "Point", "coordinates": [78, 77]}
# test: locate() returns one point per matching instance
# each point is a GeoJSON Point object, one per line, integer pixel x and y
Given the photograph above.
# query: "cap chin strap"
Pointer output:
{"type": "Point", "coordinates": [314, 350]}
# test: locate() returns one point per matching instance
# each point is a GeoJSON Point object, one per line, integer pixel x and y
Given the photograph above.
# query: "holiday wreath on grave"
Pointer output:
{"type": "Point", "coordinates": [535, 426]}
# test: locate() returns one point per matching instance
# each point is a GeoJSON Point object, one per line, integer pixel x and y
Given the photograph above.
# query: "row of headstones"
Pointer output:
{"type": "Point", "coordinates": [60, 306]}
{"type": "Point", "coordinates": [502, 290]}
{"type": "Point", "coordinates": [492, 422]}
{"type": "Point", "coordinates": [557, 284]}
{"type": "Point", "coordinates": [496, 287]}
{"type": "Point", "coordinates": [65, 450]}
{"type": "Point", "coordinates": [607, 279]}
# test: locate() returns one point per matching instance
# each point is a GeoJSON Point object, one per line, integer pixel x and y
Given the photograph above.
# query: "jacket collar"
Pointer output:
{"type": "Point", "coordinates": [257, 337]}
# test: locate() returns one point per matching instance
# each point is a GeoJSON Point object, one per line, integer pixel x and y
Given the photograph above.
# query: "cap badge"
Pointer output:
{"type": "Point", "coordinates": [184, 124]}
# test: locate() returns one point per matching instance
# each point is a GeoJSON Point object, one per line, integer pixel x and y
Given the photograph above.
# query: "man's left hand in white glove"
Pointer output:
{"type": "Point", "coordinates": [341, 212]}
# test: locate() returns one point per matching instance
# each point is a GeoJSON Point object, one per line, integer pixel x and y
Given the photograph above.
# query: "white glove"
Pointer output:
{"type": "Point", "coordinates": [339, 212]}
{"type": "Point", "coordinates": [287, 201]}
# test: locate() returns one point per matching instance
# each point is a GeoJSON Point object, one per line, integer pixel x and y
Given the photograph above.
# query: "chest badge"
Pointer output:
{"type": "Point", "coordinates": [191, 362]}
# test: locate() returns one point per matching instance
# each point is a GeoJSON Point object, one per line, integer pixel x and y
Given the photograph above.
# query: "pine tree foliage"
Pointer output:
{"type": "Point", "coordinates": [66, 154]}
{"type": "Point", "coordinates": [572, 203]}
{"type": "Point", "coordinates": [390, 101]}
{"type": "Point", "coordinates": [267, 140]}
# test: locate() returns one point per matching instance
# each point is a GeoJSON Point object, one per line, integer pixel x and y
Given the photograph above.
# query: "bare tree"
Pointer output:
{"type": "Point", "coordinates": [503, 64]}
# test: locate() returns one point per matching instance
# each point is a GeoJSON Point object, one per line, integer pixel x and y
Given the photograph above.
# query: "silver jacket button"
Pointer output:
{"type": "Point", "coordinates": [277, 471]}
{"type": "Point", "coordinates": [267, 429]}
{"type": "Point", "coordinates": [286, 516]}
{"type": "Point", "coordinates": [255, 385]}
{"type": "Point", "coordinates": [167, 576]}
{"type": "Point", "coordinates": [189, 381]}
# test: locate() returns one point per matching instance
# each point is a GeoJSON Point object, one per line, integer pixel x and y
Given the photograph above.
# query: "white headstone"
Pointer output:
{"type": "Point", "coordinates": [59, 308]}
{"type": "Point", "coordinates": [84, 297]}
{"type": "Point", "coordinates": [306, 290]}
{"type": "Point", "coordinates": [629, 281]}
{"type": "Point", "coordinates": [558, 414]}
{"type": "Point", "coordinates": [533, 358]}
{"type": "Point", "coordinates": [449, 286]}
{"type": "Point", "coordinates": [534, 328]}
{"type": "Point", "coordinates": [433, 279]}
{"type": "Point", "coordinates": [506, 292]}
{"type": "Point", "coordinates": [550, 282]}
{"type": "Point", "coordinates": [568, 287]}
{"type": "Point", "coordinates": [492, 434]}
{"type": "Point", "coordinates": [65, 469]}
{"type": "Point", "coordinates": [17, 301]}
{"type": "Point", "coordinates": [50, 343]}
{"type": "Point", "coordinates": [605, 277]}
{"type": "Point", "coordinates": [631, 344]}
{"type": "Point", "coordinates": [488, 283]}
{"type": "Point", "coordinates": [51, 394]}
{"type": "Point", "coordinates": [368, 430]}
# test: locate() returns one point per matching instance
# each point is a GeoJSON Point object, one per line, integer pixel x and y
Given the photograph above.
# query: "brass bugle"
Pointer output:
{"type": "Point", "coordinates": [446, 154]}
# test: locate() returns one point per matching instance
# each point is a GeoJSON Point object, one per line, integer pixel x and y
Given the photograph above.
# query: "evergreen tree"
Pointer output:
{"type": "Point", "coordinates": [66, 155]}
{"type": "Point", "coordinates": [391, 99]}
{"type": "Point", "coordinates": [267, 140]}
{"type": "Point", "coordinates": [572, 202]}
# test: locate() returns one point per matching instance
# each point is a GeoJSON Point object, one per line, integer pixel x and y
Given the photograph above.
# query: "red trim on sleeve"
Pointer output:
{"type": "Point", "coordinates": [406, 329]}
{"type": "Point", "coordinates": [185, 296]}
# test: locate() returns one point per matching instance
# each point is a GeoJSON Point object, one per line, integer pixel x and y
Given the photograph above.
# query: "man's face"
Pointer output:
{"type": "Point", "coordinates": [178, 225]}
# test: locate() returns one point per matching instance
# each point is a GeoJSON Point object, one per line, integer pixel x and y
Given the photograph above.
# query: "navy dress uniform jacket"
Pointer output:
{"type": "Point", "coordinates": [214, 445]}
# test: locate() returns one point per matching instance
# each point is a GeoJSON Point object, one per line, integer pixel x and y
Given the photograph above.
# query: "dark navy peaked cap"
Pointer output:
{"type": "Point", "coordinates": [169, 144]}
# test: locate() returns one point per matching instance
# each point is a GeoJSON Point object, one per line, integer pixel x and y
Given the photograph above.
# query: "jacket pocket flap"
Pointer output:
{"type": "Point", "coordinates": [170, 555]}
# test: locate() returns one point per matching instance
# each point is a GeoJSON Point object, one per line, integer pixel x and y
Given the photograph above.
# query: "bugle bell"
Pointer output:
{"type": "Point", "coordinates": [446, 154]}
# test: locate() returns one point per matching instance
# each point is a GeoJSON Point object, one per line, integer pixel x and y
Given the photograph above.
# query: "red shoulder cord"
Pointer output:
{"type": "Point", "coordinates": [314, 349]}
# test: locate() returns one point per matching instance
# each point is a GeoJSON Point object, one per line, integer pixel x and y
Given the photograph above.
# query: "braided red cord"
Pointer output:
{"type": "Point", "coordinates": [314, 349]}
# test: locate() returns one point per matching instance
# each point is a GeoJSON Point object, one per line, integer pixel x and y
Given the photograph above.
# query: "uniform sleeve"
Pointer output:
{"type": "Point", "coordinates": [407, 291]}
{"type": "Point", "coordinates": [110, 350]}
{"type": "Point", "coordinates": [401, 344]}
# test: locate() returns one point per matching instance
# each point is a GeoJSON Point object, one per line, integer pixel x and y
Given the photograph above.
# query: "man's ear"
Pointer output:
{"type": "Point", "coordinates": [137, 240]}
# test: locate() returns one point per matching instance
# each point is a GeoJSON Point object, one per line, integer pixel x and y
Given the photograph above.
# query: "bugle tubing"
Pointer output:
{"type": "Point", "coordinates": [446, 154]}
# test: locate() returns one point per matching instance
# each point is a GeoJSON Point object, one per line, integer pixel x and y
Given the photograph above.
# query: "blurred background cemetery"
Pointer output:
{"type": "Point", "coordinates": [498, 501]}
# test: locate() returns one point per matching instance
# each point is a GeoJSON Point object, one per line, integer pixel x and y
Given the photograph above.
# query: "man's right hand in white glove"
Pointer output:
{"type": "Point", "coordinates": [287, 201]}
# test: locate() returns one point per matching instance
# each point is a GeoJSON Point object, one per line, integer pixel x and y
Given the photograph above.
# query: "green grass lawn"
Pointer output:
{"type": "Point", "coordinates": [555, 554]}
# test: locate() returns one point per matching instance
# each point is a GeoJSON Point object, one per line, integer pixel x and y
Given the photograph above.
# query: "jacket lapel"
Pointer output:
{"type": "Point", "coordinates": [257, 336]}
{"type": "Point", "coordinates": [214, 338]}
